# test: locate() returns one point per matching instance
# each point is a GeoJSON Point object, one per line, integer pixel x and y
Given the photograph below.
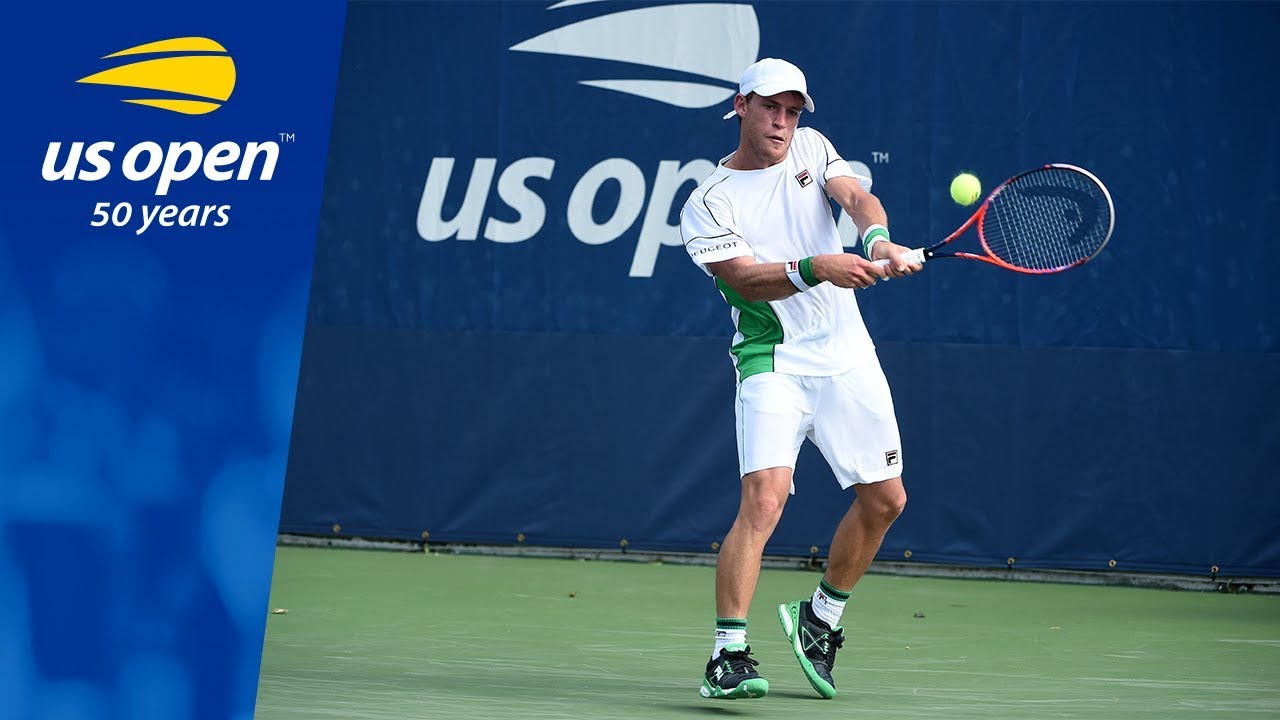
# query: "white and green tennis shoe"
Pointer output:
{"type": "Point", "coordinates": [813, 642]}
{"type": "Point", "coordinates": [732, 675]}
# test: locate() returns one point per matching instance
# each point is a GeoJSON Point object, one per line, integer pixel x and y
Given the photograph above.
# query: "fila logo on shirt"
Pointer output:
{"type": "Point", "coordinates": [891, 457]}
{"type": "Point", "coordinates": [804, 179]}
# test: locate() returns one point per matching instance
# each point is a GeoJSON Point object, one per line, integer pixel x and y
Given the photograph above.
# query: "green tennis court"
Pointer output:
{"type": "Point", "coordinates": [375, 634]}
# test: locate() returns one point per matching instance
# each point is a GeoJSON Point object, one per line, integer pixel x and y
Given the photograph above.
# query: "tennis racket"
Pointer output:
{"type": "Point", "coordinates": [1045, 220]}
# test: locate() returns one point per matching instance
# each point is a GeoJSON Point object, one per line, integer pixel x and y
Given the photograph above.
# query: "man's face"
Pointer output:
{"type": "Point", "coordinates": [768, 124]}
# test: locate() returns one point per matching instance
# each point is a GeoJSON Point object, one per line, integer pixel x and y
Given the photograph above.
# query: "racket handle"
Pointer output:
{"type": "Point", "coordinates": [911, 256]}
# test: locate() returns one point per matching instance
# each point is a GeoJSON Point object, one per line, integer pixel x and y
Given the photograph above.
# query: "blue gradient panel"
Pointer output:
{"type": "Point", "coordinates": [148, 363]}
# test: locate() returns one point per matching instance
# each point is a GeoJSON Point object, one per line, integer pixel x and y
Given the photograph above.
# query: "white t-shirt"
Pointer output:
{"type": "Point", "coordinates": [778, 214]}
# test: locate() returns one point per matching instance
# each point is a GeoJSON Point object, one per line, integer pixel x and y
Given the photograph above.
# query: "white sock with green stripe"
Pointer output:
{"type": "Point", "coordinates": [728, 632]}
{"type": "Point", "coordinates": [828, 603]}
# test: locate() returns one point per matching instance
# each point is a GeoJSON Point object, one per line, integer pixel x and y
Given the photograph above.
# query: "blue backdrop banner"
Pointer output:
{"type": "Point", "coordinates": [158, 202]}
{"type": "Point", "coordinates": [505, 338]}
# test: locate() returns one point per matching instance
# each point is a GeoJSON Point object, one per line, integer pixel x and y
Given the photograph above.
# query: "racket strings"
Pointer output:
{"type": "Point", "coordinates": [1047, 220]}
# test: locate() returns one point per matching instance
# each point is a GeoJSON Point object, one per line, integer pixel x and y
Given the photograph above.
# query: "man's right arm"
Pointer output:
{"type": "Point", "coordinates": [755, 282]}
{"type": "Point", "coordinates": [762, 282]}
{"type": "Point", "coordinates": [713, 240]}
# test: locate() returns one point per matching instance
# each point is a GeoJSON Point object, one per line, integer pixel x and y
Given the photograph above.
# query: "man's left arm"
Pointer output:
{"type": "Point", "coordinates": [867, 213]}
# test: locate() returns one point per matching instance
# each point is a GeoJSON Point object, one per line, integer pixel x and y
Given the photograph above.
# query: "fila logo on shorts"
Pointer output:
{"type": "Point", "coordinates": [891, 457]}
{"type": "Point", "coordinates": [804, 179]}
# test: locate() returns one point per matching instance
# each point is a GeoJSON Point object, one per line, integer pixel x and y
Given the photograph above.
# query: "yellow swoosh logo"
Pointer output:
{"type": "Point", "coordinates": [209, 77]}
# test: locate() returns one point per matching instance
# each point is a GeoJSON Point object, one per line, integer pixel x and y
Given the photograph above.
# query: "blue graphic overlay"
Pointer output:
{"type": "Point", "coordinates": [158, 206]}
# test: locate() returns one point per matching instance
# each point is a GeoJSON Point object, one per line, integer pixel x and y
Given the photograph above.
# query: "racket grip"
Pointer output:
{"type": "Point", "coordinates": [911, 256]}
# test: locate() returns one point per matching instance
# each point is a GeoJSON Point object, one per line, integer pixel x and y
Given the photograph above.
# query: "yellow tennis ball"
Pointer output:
{"type": "Point", "coordinates": [965, 189]}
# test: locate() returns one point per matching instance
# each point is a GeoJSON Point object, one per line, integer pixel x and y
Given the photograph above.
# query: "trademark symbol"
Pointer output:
{"type": "Point", "coordinates": [879, 158]}
{"type": "Point", "coordinates": [287, 137]}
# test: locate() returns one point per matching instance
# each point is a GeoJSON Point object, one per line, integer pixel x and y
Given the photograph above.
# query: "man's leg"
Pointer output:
{"type": "Point", "coordinates": [737, 568]}
{"type": "Point", "coordinates": [731, 673]}
{"type": "Point", "coordinates": [858, 538]}
{"type": "Point", "coordinates": [813, 624]}
{"type": "Point", "coordinates": [773, 417]}
{"type": "Point", "coordinates": [764, 493]}
{"type": "Point", "coordinates": [870, 461]}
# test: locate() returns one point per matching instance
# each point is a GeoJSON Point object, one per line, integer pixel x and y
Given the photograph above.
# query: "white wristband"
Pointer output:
{"type": "Point", "coordinates": [871, 236]}
{"type": "Point", "coordinates": [793, 274]}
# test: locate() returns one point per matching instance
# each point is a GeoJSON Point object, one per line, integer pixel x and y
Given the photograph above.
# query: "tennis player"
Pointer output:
{"type": "Point", "coordinates": [762, 226]}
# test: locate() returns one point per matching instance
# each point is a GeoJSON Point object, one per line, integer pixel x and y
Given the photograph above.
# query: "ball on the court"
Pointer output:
{"type": "Point", "coordinates": [965, 189]}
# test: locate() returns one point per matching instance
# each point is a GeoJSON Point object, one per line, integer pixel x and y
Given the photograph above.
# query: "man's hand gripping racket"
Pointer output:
{"type": "Point", "coordinates": [1045, 220]}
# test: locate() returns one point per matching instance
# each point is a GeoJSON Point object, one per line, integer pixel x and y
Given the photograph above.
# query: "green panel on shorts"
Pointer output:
{"type": "Point", "coordinates": [761, 331]}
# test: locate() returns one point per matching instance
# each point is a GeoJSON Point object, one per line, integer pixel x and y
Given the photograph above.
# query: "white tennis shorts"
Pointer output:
{"type": "Point", "coordinates": [849, 417]}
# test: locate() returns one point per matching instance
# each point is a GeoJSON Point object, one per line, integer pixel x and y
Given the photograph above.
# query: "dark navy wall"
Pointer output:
{"type": "Point", "coordinates": [504, 336]}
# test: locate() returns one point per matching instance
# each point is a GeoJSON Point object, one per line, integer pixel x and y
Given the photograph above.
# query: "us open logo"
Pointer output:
{"type": "Point", "coordinates": [188, 76]}
{"type": "Point", "coordinates": [194, 74]}
{"type": "Point", "coordinates": [716, 41]}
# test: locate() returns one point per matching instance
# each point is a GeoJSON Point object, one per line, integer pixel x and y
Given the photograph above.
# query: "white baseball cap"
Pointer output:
{"type": "Point", "coordinates": [771, 76]}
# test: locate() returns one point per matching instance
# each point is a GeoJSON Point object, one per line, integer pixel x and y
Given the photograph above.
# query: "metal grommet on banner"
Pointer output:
{"type": "Point", "coordinates": [813, 562]}
{"type": "Point", "coordinates": [1011, 561]}
{"type": "Point", "coordinates": [337, 528]}
{"type": "Point", "coordinates": [1112, 563]}
{"type": "Point", "coordinates": [426, 535]}
{"type": "Point", "coordinates": [623, 543]}
{"type": "Point", "coordinates": [520, 538]}
{"type": "Point", "coordinates": [715, 546]}
{"type": "Point", "coordinates": [906, 554]}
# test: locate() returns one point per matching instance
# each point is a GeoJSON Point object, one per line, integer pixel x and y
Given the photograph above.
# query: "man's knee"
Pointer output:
{"type": "Point", "coordinates": [887, 501]}
{"type": "Point", "coordinates": [763, 497]}
{"type": "Point", "coordinates": [896, 503]}
{"type": "Point", "coordinates": [763, 508]}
